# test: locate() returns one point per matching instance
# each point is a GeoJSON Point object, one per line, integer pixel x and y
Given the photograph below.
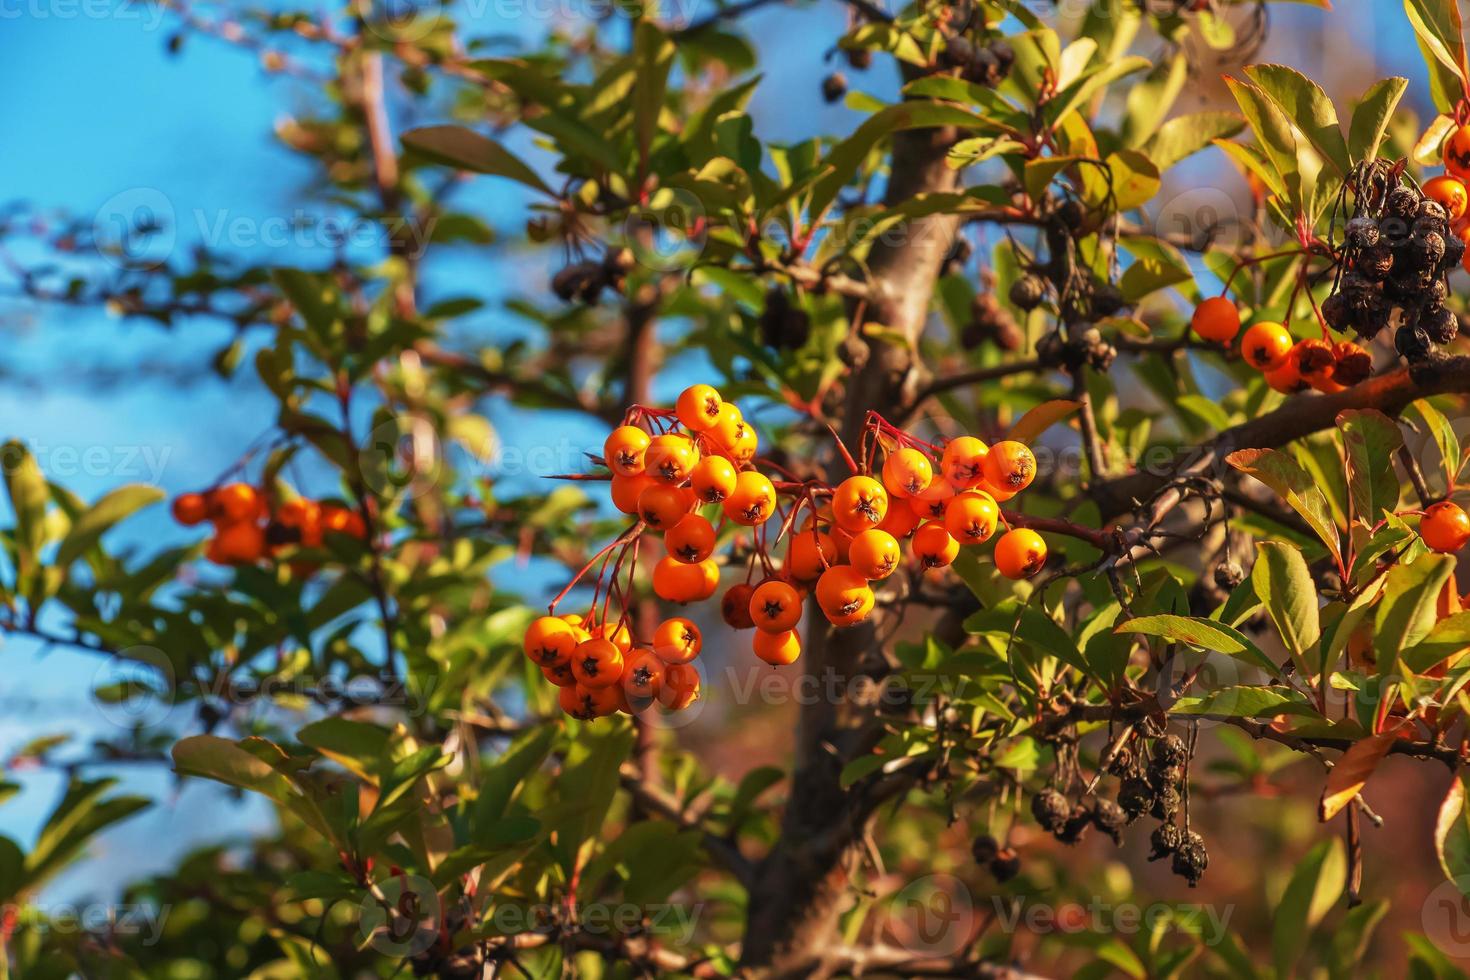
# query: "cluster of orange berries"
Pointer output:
{"type": "Point", "coordinates": [1288, 365]}
{"type": "Point", "coordinates": [598, 671]}
{"type": "Point", "coordinates": [247, 528]}
{"type": "Point", "coordinates": [680, 471]}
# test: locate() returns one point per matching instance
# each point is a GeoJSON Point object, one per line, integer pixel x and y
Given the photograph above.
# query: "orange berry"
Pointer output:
{"type": "Point", "coordinates": [1315, 362]}
{"type": "Point", "coordinates": [858, 503]}
{"type": "Point", "coordinates": [588, 703]}
{"type": "Point", "coordinates": [684, 583]}
{"type": "Point", "coordinates": [901, 520]}
{"type": "Point", "coordinates": [874, 553]}
{"type": "Point", "coordinates": [239, 543]}
{"type": "Point", "coordinates": [597, 663]}
{"type": "Point", "coordinates": [1010, 467]}
{"type": "Point", "coordinates": [617, 634]}
{"type": "Point", "coordinates": [752, 501]}
{"type": "Point", "coordinates": [698, 407]}
{"type": "Point", "coordinates": [726, 431]}
{"type": "Point", "coordinates": [572, 619]}
{"type": "Point", "coordinates": [1216, 319]}
{"type": "Point", "coordinates": [691, 540]}
{"type": "Point", "coordinates": [934, 547]}
{"type": "Point", "coordinates": [1445, 527]}
{"type": "Point", "coordinates": [627, 489]}
{"type": "Point", "coordinates": [560, 674]}
{"type": "Point", "coordinates": [735, 606]}
{"type": "Point", "coordinates": [1266, 346]}
{"type": "Point", "coordinates": [680, 688]}
{"type": "Point", "coordinates": [235, 502]}
{"type": "Point", "coordinates": [775, 606]}
{"type": "Point", "coordinates": [745, 446]}
{"type": "Point", "coordinates": [1020, 553]}
{"type": "Point", "coordinates": [713, 479]}
{"type": "Point", "coordinates": [1450, 192]}
{"type": "Point", "coordinates": [624, 450]}
{"type": "Point", "coordinates": [305, 516]}
{"type": "Point", "coordinates": [661, 506]}
{"type": "Point", "coordinates": [670, 458]}
{"type": "Point", "coordinates": [933, 499]}
{"type": "Point", "coordinates": [777, 649]}
{"type": "Point", "coordinates": [963, 464]}
{"type": "Point", "coordinates": [907, 472]}
{"type": "Point", "coordinates": [1287, 378]}
{"type": "Point", "coordinates": [970, 517]}
{"type": "Point", "coordinates": [1456, 152]}
{"type": "Point", "coordinates": [549, 641]}
{"type": "Point", "coordinates": [677, 640]}
{"type": "Point", "coordinates": [809, 554]}
{"type": "Point", "coordinates": [343, 520]}
{"type": "Point", "coordinates": [190, 509]}
{"type": "Point", "coordinates": [643, 675]}
{"type": "Point", "coordinates": [844, 595]}
{"type": "Point", "coordinates": [997, 494]}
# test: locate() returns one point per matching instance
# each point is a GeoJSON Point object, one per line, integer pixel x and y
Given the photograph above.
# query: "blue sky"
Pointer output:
{"type": "Point", "coordinates": [98, 110]}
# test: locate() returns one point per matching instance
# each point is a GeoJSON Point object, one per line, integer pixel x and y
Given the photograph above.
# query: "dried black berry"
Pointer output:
{"type": "Point", "coordinates": [1165, 839]}
{"type": "Point", "coordinates": [983, 69]}
{"type": "Point", "coordinates": [1135, 796]}
{"type": "Point", "coordinates": [1166, 803]}
{"type": "Point", "coordinates": [1170, 751]}
{"type": "Point", "coordinates": [1050, 809]}
{"type": "Point", "coordinates": [1454, 251]}
{"type": "Point", "coordinates": [958, 52]}
{"type": "Point", "coordinates": [985, 849]}
{"type": "Point", "coordinates": [1162, 775]}
{"type": "Point", "coordinates": [1432, 215]}
{"type": "Point", "coordinates": [1429, 249]}
{"type": "Point", "coordinates": [1435, 295]}
{"type": "Point", "coordinates": [1229, 574]}
{"type": "Point", "coordinates": [1074, 827]}
{"type": "Point", "coordinates": [834, 87]}
{"type": "Point", "coordinates": [1121, 762]}
{"type": "Point", "coordinates": [1072, 214]}
{"type": "Point", "coordinates": [1442, 326]}
{"type": "Point", "coordinates": [1362, 232]}
{"type": "Point", "coordinates": [1004, 54]}
{"type": "Point", "coordinates": [1401, 202]}
{"type": "Point", "coordinates": [1028, 291]}
{"type": "Point", "coordinates": [859, 58]}
{"type": "Point", "coordinates": [1006, 866]}
{"type": "Point", "coordinates": [1191, 859]}
{"type": "Point", "coordinates": [1109, 818]}
{"type": "Point", "coordinates": [1412, 343]}
{"type": "Point", "coordinates": [1375, 263]}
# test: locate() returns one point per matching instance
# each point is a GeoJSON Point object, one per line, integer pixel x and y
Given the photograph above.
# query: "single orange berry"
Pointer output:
{"type": "Point", "coordinates": [809, 554]}
{"type": "Point", "coordinates": [617, 634]}
{"type": "Point", "coordinates": [239, 543]}
{"type": "Point", "coordinates": [624, 450]}
{"type": "Point", "coordinates": [597, 663]}
{"type": "Point", "coordinates": [1456, 152]}
{"type": "Point", "coordinates": [1450, 192]}
{"type": "Point", "coordinates": [963, 464]}
{"type": "Point", "coordinates": [677, 640]}
{"type": "Point", "coordinates": [1315, 361]}
{"type": "Point", "coordinates": [549, 641]}
{"type": "Point", "coordinates": [745, 446]}
{"type": "Point", "coordinates": [728, 426]}
{"type": "Point", "coordinates": [844, 596]}
{"type": "Point", "coordinates": [643, 675]}
{"type": "Point", "coordinates": [775, 606]}
{"type": "Point", "coordinates": [713, 479]}
{"type": "Point", "coordinates": [1020, 553]}
{"type": "Point", "coordinates": [698, 407]}
{"type": "Point", "coordinates": [858, 503]}
{"type": "Point", "coordinates": [627, 489]}
{"type": "Point", "coordinates": [560, 674]}
{"type": "Point", "coordinates": [1287, 378]}
{"type": "Point", "coordinates": [690, 540]}
{"type": "Point", "coordinates": [934, 547]}
{"type": "Point", "coordinates": [901, 520]}
{"type": "Point", "coordinates": [874, 553]}
{"type": "Point", "coordinates": [343, 520]}
{"type": "Point", "coordinates": [670, 458]}
{"type": "Point", "coordinates": [587, 703]}
{"type": "Point", "coordinates": [907, 472]}
{"type": "Point", "coordinates": [930, 502]}
{"type": "Point", "coordinates": [777, 649]}
{"type": "Point", "coordinates": [661, 506]}
{"type": "Point", "coordinates": [1010, 466]}
{"type": "Point", "coordinates": [752, 501]}
{"type": "Point", "coordinates": [1445, 527]}
{"type": "Point", "coordinates": [998, 494]}
{"type": "Point", "coordinates": [235, 502]}
{"type": "Point", "coordinates": [190, 509]}
{"type": "Point", "coordinates": [680, 688]}
{"type": "Point", "coordinates": [735, 606]}
{"type": "Point", "coordinates": [970, 517]}
{"type": "Point", "coordinates": [1216, 319]}
{"type": "Point", "coordinates": [1266, 346]}
{"type": "Point", "coordinates": [679, 582]}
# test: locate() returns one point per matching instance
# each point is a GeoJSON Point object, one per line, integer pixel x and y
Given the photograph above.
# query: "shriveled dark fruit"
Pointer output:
{"type": "Point", "coordinates": [959, 253]}
{"type": "Point", "coordinates": [1152, 727]}
{"type": "Point", "coordinates": [1004, 54]}
{"type": "Point", "coordinates": [1050, 809]}
{"type": "Point", "coordinates": [1051, 348]}
{"type": "Point", "coordinates": [859, 58]}
{"type": "Point", "coordinates": [1412, 343]}
{"type": "Point", "coordinates": [1028, 291]}
{"type": "Point", "coordinates": [985, 849]}
{"type": "Point", "coordinates": [1006, 866]}
{"type": "Point", "coordinates": [834, 87]}
{"type": "Point", "coordinates": [1229, 574]}
{"type": "Point", "coordinates": [1435, 295]}
{"type": "Point", "coordinates": [1101, 356]}
{"type": "Point", "coordinates": [1362, 232]}
{"type": "Point", "coordinates": [1393, 232]}
{"type": "Point", "coordinates": [1401, 201]}
{"type": "Point", "coordinates": [1074, 827]}
{"type": "Point", "coordinates": [1429, 249]}
{"type": "Point", "coordinates": [1165, 839]}
{"type": "Point", "coordinates": [1454, 251]}
{"type": "Point", "coordinates": [1406, 285]}
{"type": "Point", "coordinates": [1121, 762]}
{"type": "Point", "coordinates": [1314, 357]}
{"type": "Point", "coordinates": [983, 69]}
{"type": "Point", "coordinates": [580, 280]}
{"type": "Point", "coordinates": [1191, 858]}
{"type": "Point", "coordinates": [1442, 326]}
{"type": "Point", "coordinates": [1372, 321]}
{"type": "Point", "coordinates": [1107, 299]}
{"type": "Point", "coordinates": [1135, 796]}
{"type": "Point", "coordinates": [1170, 750]}
{"type": "Point", "coordinates": [1165, 775]}
{"type": "Point", "coordinates": [1432, 215]}
{"type": "Point", "coordinates": [1375, 263]}
{"type": "Point", "coordinates": [1109, 818]}
{"type": "Point", "coordinates": [958, 52]}
{"type": "Point", "coordinates": [989, 320]}
{"type": "Point", "coordinates": [1072, 214]}
{"type": "Point", "coordinates": [1337, 311]}
{"type": "Point", "coordinates": [1166, 803]}
{"type": "Point", "coordinates": [1358, 292]}
{"type": "Point", "coordinates": [1354, 364]}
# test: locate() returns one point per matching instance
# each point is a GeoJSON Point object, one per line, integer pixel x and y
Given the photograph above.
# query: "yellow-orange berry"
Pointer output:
{"type": "Point", "coordinates": [1287, 378]}
{"type": "Point", "coordinates": [597, 663]}
{"type": "Point", "coordinates": [971, 516]}
{"type": "Point", "coordinates": [777, 649]}
{"type": "Point", "coordinates": [682, 582]}
{"type": "Point", "coordinates": [1445, 527]}
{"type": "Point", "coordinates": [1216, 319]}
{"type": "Point", "coordinates": [963, 464]}
{"type": "Point", "coordinates": [643, 675]}
{"type": "Point", "coordinates": [1020, 553]}
{"type": "Point", "coordinates": [617, 634]}
{"type": "Point", "coordinates": [190, 509]}
{"type": "Point", "coordinates": [677, 640]}
{"type": "Point", "coordinates": [549, 641]}
{"type": "Point", "coordinates": [235, 502]}
{"type": "Point", "coordinates": [844, 596]}
{"type": "Point", "coordinates": [735, 606]}
{"type": "Point", "coordinates": [691, 540]}
{"type": "Point", "coordinates": [752, 501]}
{"type": "Point", "coordinates": [874, 553]}
{"type": "Point", "coordinates": [698, 407]}
{"type": "Point", "coordinates": [809, 554]}
{"type": "Point", "coordinates": [775, 606]}
{"type": "Point", "coordinates": [670, 458]}
{"type": "Point", "coordinates": [901, 519]}
{"type": "Point", "coordinates": [1456, 152]}
{"type": "Point", "coordinates": [239, 543]}
{"type": "Point", "coordinates": [713, 479]}
{"type": "Point", "coordinates": [934, 547]}
{"type": "Point", "coordinates": [623, 450]}
{"type": "Point", "coordinates": [661, 506]}
{"type": "Point", "coordinates": [858, 503]}
{"type": "Point", "coordinates": [1450, 192]}
{"type": "Point", "coordinates": [907, 472]}
{"type": "Point", "coordinates": [1010, 467]}
{"type": "Point", "coordinates": [627, 489]}
{"type": "Point", "coordinates": [1266, 346]}
{"type": "Point", "coordinates": [680, 688]}
{"type": "Point", "coordinates": [930, 502]}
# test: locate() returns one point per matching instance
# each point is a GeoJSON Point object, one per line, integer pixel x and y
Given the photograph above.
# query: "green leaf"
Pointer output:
{"type": "Point", "coordinates": [1406, 614]}
{"type": "Point", "coordinates": [1203, 633]}
{"type": "Point", "coordinates": [1372, 115]}
{"type": "Point", "coordinates": [1037, 420]}
{"type": "Point", "coordinates": [1314, 888]}
{"type": "Point", "coordinates": [590, 777]}
{"type": "Point", "coordinates": [1448, 637]}
{"type": "Point", "coordinates": [1371, 439]}
{"type": "Point", "coordinates": [1273, 133]}
{"type": "Point", "coordinates": [356, 745]}
{"type": "Point", "coordinates": [504, 776]}
{"type": "Point", "coordinates": [222, 760]}
{"type": "Point", "coordinates": [466, 149]}
{"type": "Point", "coordinates": [1184, 136]}
{"type": "Point", "coordinates": [1285, 587]}
{"type": "Point", "coordinates": [1308, 108]}
{"type": "Point", "coordinates": [1443, 434]}
{"type": "Point", "coordinates": [27, 489]}
{"type": "Point", "coordinates": [1452, 836]}
{"type": "Point", "coordinates": [653, 54]}
{"type": "Point", "coordinates": [1031, 626]}
{"type": "Point", "coordinates": [312, 297]}
{"type": "Point", "coordinates": [1156, 265]}
{"type": "Point", "coordinates": [96, 520]}
{"type": "Point", "coordinates": [1149, 101]}
{"type": "Point", "coordinates": [1440, 34]}
{"type": "Point", "coordinates": [1294, 485]}
{"type": "Point", "coordinates": [1241, 701]}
